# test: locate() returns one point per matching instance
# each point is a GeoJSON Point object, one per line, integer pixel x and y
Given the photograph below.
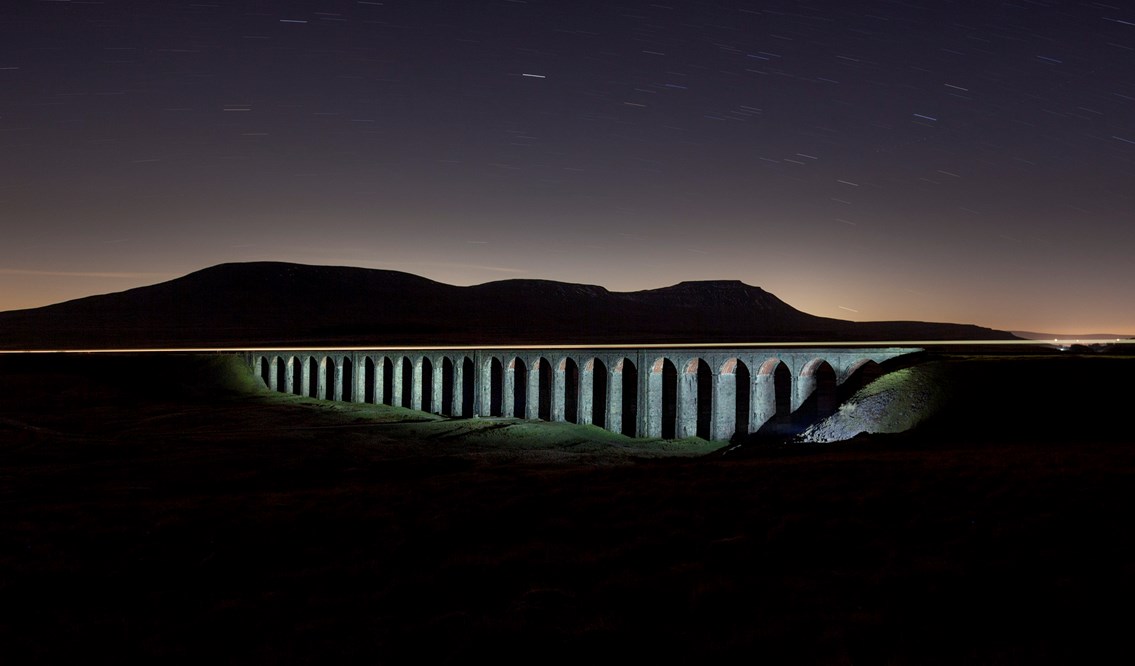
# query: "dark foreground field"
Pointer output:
{"type": "Point", "coordinates": [148, 515]}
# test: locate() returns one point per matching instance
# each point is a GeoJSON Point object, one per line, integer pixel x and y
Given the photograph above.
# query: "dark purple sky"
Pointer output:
{"type": "Point", "coordinates": [952, 161]}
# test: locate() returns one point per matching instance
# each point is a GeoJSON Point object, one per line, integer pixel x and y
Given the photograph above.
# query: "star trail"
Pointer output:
{"type": "Point", "coordinates": [923, 160]}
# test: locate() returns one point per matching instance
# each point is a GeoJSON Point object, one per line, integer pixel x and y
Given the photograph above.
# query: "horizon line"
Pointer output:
{"type": "Point", "coordinates": [914, 344]}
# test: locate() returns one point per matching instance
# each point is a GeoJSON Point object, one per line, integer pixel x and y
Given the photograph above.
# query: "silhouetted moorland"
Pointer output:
{"type": "Point", "coordinates": [271, 303]}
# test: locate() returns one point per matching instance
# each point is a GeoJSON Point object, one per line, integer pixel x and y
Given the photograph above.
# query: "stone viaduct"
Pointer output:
{"type": "Point", "coordinates": [637, 391]}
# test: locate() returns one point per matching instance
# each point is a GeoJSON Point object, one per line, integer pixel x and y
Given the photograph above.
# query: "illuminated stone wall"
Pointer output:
{"type": "Point", "coordinates": [640, 392]}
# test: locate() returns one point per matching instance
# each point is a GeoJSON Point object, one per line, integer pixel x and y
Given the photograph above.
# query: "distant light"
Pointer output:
{"type": "Point", "coordinates": [535, 76]}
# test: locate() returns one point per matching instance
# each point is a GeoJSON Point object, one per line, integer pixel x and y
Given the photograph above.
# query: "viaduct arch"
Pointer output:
{"type": "Point", "coordinates": [711, 393]}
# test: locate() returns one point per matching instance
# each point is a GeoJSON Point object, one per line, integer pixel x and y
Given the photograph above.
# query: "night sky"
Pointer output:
{"type": "Point", "coordinates": [971, 162]}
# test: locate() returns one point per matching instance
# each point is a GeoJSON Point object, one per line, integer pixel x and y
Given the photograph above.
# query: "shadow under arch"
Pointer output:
{"type": "Point", "coordinates": [627, 380]}
{"type": "Point", "coordinates": [369, 372]}
{"type": "Point", "coordinates": [347, 390]}
{"type": "Point", "coordinates": [571, 389]}
{"type": "Point", "coordinates": [446, 386]}
{"type": "Point", "coordinates": [663, 391]}
{"type": "Point", "coordinates": [312, 388]}
{"type": "Point", "coordinates": [817, 392]}
{"type": "Point", "coordinates": [598, 378]}
{"type": "Point", "coordinates": [407, 397]}
{"type": "Point", "coordinates": [543, 389]}
{"type": "Point", "coordinates": [328, 378]}
{"type": "Point", "coordinates": [703, 396]}
{"type": "Point", "coordinates": [519, 387]}
{"type": "Point", "coordinates": [738, 391]}
{"type": "Point", "coordinates": [496, 388]}
{"type": "Point", "coordinates": [296, 364]}
{"type": "Point", "coordinates": [772, 398]}
{"type": "Point", "coordinates": [859, 375]}
{"type": "Point", "coordinates": [387, 397]}
{"type": "Point", "coordinates": [467, 380]}
{"type": "Point", "coordinates": [427, 384]}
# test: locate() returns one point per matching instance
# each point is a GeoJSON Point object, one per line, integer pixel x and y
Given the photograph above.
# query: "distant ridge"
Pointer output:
{"type": "Point", "coordinates": [1032, 335]}
{"type": "Point", "coordinates": [273, 303]}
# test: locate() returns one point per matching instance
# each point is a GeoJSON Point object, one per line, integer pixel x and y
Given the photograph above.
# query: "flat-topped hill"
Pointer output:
{"type": "Point", "coordinates": [267, 303]}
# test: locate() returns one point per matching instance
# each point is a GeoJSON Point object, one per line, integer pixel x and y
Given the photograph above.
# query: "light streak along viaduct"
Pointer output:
{"type": "Point", "coordinates": [639, 392]}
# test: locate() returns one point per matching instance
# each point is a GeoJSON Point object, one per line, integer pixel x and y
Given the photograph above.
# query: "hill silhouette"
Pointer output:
{"type": "Point", "coordinates": [273, 303]}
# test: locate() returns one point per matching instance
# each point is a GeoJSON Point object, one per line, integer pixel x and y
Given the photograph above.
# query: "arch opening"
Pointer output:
{"type": "Point", "coordinates": [348, 389]}
{"type": "Point", "coordinates": [599, 394]}
{"type": "Point", "coordinates": [705, 400]}
{"type": "Point", "coordinates": [329, 378]}
{"type": "Point", "coordinates": [446, 386]}
{"type": "Point", "coordinates": [571, 391]}
{"type": "Point", "coordinates": [387, 381]}
{"type": "Point", "coordinates": [447, 407]}
{"type": "Point", "coordinates": [818, 376]}
{"type": "Point", "coordinates": [496, 387]}
{"type": "Point", "coordinates": [630, 398]}
{"type": "Point", "coordinates": [782, 387]}
{"type": "Point", "coordinates": [265, 372]}
{"type": "Point", "coordinates": [519, 388]}
{"type": "Point", "coordinates": [297, 375]}
{"type": "Point", "coordinates": [861, 374]}
{"type": "Point", "coordinates": [427, 385]}
{"type": "Point", "coordinates": [544, 390]}
{"type": "Point", "coordinates": [772, 398]}
{"type": "Point", "coordinates": [368, 381]}
{"type": "Point", "coordinates": [467, 379]}
{"type": "Point", "coordinates": [407, 397]}
{"type": "Point", "coordinates": [312, 377]}
{"type": "Point", "coordinates": [743, 395]}
{"type": "Point", "coordinates": [669, 400]}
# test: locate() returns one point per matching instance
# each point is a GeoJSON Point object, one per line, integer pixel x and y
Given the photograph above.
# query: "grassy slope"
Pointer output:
{"type": "Point", "coordinates": [185, 525]}
{"type": "Point", "coordinates": [895, 402]}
